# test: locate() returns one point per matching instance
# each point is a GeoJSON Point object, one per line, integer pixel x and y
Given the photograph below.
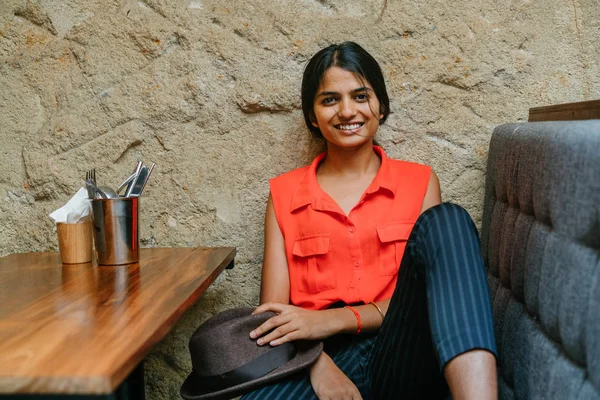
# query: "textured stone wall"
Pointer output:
{"type": "Point", "coordinates": [209, 90]}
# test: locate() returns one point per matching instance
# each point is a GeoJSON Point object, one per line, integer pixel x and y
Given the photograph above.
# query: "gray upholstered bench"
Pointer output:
{"type": "Point", "coordinates": [541, 245]}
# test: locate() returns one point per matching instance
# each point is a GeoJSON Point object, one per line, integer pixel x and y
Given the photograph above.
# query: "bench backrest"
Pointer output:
{"type": "Point", "coordinates": [541, 246]}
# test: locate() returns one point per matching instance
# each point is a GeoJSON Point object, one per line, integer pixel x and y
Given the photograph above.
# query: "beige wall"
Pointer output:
{"type": "Point", "coordinates": [209, 90]}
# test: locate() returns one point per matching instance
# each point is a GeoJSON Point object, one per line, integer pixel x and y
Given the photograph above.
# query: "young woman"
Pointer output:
{"type": "Point", "coordinates": [359, 251]}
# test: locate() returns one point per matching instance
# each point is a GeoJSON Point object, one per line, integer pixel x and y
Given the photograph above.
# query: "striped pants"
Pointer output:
{"type": "Point", "coordinates": [440, 308]}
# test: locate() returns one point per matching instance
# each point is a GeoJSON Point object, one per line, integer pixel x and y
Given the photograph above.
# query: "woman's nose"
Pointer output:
{"type": "Point", "coordinates": [347, 109]}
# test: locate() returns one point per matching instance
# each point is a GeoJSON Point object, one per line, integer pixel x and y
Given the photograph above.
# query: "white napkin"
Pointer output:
{"type": "Point", "coordinates": [76, 210]}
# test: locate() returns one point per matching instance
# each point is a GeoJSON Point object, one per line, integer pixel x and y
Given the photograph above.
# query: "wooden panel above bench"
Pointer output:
{"type": "Point", "coordinates": [566, 112]}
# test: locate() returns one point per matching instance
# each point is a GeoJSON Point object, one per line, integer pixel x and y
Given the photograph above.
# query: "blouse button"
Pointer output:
{"type": "Point", "coordinates": [351, 230]}
{"type": "Point", "coordinates": [356, 264]}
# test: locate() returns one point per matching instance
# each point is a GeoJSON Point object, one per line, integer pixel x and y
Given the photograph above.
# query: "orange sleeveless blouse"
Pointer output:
{"type": "Point", "coordinates": [351, 258]}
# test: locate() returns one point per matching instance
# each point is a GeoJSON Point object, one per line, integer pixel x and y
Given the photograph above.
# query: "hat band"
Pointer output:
{"type": "Point", "coordinates": [250, 371]}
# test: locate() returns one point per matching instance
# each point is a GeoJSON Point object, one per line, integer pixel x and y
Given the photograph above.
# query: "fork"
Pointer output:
{"type": "Point", "coordinates": [93, 176]}
{"type": "Point", "coordinates": [90, 175]}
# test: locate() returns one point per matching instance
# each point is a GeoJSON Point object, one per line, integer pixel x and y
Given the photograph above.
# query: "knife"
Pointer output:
{"type": "Point", "coordinates": [141, 181]}
{"type": "Point", "coordinates": [137, 171]}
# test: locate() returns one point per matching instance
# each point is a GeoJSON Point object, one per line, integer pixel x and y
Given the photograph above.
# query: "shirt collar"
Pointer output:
{"type": "Point", "coordinates": [309, 191]}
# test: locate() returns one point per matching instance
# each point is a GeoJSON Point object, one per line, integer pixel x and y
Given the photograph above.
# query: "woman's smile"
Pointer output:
{"type": "Point", "coordinates": [349, 128]}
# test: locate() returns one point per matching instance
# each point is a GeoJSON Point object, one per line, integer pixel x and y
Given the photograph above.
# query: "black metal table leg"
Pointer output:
{"type": "Point", "coordinates": [133, 387]}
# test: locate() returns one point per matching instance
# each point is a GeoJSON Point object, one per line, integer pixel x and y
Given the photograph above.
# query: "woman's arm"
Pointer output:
{"type": "Point", "coordinates": [330, 382]}
{"type": "Point", "coordinates": [275, 281]}
{"type": "Point", "coordinates": [275, 296]}
{"type": "Point", "coordinates": [433, 196]}
{"type": "Point", "coordinates": [296, 323]}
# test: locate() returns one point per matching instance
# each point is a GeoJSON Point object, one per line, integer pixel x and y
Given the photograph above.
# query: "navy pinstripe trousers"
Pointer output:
{"type": "Point", "coordinates": [440, 309]}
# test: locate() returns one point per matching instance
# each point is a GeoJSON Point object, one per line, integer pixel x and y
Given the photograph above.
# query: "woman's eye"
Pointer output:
{"type": "Point", "coordinates": [328, 100]}
{"type": "Point", "coordinates": [362, 97]}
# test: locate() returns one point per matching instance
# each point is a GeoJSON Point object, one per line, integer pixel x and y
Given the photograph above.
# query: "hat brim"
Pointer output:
{"type": "Point", "coordinates": [307, 353]}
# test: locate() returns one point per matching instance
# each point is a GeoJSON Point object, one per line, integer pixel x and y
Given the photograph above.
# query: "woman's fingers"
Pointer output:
{"type": "Point", "coordinates": [275, 327]}
{"type": "Point", "coordinates": [275, 307]}
{"type": "Point", "coordinates": [275, 334]}
{"type": "Point", "coordinates": [266, 326]}
{"type": "Point", "coordinates": [289, 337]}
{"type": "Point", "coordinates": [282, 334]}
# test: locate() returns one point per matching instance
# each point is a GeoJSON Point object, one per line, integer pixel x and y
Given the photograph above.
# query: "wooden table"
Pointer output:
{"type": "Point", "coordinates": [83, 329]}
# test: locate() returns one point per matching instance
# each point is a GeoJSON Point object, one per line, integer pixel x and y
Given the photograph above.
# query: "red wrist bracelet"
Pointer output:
{"type": "Point", "coordinates": [357, 315]}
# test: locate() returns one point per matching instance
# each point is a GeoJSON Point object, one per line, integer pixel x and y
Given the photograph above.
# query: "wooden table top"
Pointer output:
{"type": "Point", "coordinates": [81, 329]}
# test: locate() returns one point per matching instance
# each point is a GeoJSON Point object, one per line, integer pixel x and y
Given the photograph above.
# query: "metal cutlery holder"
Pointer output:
{"type": "Point", "coordinates": [116, 230]}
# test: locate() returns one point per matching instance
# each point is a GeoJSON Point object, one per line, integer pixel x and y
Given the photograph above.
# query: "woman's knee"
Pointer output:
{"type": "Point", "coordinates": [446, 216]}
{"type": "Point", "coordinates": [446, 225]}
{"type": "Point", "coordinates": [444, 210]}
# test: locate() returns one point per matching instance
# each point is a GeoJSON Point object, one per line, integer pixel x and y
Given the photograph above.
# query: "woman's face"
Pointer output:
{"type": "Point", "coordinates": [346, 110]}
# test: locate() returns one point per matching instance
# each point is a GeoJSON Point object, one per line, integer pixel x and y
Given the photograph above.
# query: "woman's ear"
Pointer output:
{"type": "Point", "coordinates": [313, 120]}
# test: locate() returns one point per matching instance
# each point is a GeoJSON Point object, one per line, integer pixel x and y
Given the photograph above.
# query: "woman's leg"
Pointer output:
{"type": "Point", "coordinates": [440, 309]}
{"type": "Point", "coordinates": [351, 355]}
{"type": "Point", "coordinates": [296, 387]}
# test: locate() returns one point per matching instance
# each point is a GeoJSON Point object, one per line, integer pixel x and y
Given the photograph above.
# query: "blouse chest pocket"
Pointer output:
{"type": "Point", "coordinates": [310, 257]}
{"type": "Point", "coordinates": [393, 237]}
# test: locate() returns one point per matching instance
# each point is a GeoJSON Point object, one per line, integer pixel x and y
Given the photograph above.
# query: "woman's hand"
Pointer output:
{"type": "Point", "coordinates": [329, 382]}
{"type": "Point", "coordinates": [294, 323]}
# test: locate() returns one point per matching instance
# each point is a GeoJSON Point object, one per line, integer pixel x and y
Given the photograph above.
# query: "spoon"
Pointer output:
{"type": "Point", "coordinates": [108, 191]}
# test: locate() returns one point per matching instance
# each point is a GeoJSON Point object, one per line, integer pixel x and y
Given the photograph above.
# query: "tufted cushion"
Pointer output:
{"type": "Point", "coordinates": [541, 245]}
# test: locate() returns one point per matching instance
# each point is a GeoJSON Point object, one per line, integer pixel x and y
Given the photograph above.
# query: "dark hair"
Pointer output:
{"type": "Point", "coordinates": [351, 57]}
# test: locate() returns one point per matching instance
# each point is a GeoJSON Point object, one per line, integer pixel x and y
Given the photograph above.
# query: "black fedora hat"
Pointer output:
{"type": "Point", "coordinates": [227, 363]}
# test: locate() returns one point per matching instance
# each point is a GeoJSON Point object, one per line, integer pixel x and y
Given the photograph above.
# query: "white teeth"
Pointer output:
{"type": "Point", "coordinates": [349, 127]}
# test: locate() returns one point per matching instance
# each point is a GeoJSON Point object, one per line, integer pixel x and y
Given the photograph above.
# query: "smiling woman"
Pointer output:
{"type": "Point", "coordinates": [360, 252]}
